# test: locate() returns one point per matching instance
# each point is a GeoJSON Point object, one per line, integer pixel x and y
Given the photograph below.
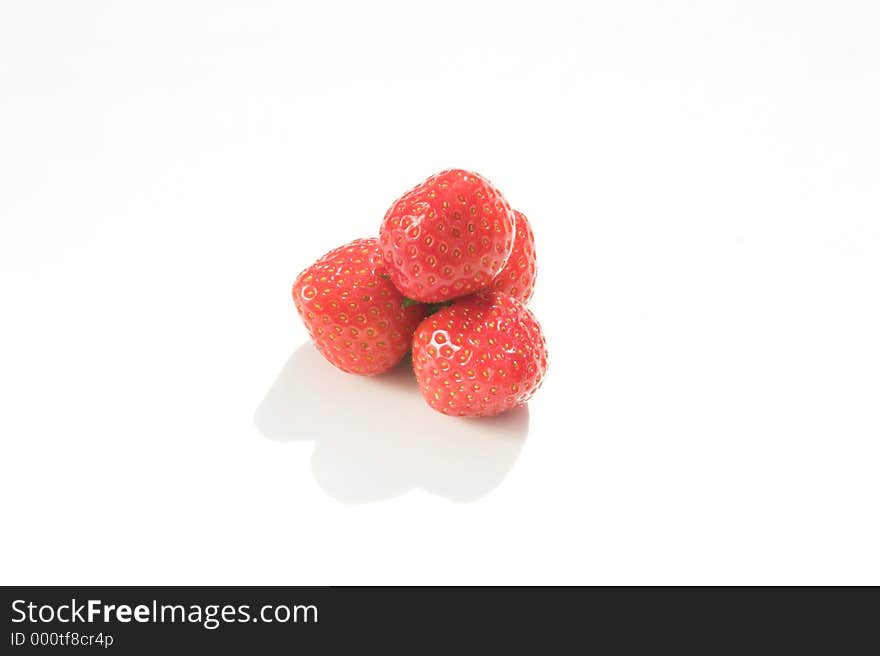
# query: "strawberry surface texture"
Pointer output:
{"type": "Point", "coordinates": [354, 314]}
{"type": "Point", "coordinates": [480, 356]}
{"type": "Point", "coordinates": [517, 278]}
{"type": "Point", "coordinates": [447, 237]}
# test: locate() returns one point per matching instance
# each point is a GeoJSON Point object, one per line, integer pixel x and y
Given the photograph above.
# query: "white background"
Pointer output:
{"type": "Point", "coordinates": [702, 178]}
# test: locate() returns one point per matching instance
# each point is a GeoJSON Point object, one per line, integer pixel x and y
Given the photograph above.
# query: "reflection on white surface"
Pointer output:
{"type": "Point", "coordinates": [376, 438]}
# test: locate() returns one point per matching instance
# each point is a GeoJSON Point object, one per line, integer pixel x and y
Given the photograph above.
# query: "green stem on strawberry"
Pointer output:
{"type": "Point", "coordinates": [436, 307]}
{"type": "Point", "coordinates": [432, 307]}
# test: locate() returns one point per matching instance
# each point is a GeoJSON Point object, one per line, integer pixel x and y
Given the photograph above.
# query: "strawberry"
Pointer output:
{"type": "Point", "coordinates": [356, 317]}
{"type": "Point", "coordinates": [447, 237]}
{"type": "Point", "coordinates": [517, 278]}
{"type": "Point", "coordinates": [482, 355]}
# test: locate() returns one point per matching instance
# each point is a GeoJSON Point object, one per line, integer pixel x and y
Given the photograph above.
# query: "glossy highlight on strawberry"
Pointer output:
{"type": "Point", "coordinates": [447, 237]}
{"type": "Point", "coordinates": [357, 319]}
{"type": "Point", "coordinates": [480, 356]}
{"type": "Point", "coordinates": [517, 278]}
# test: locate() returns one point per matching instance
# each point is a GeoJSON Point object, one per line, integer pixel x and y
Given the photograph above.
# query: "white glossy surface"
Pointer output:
{"type": "Point", "coordinates": [702, 179]}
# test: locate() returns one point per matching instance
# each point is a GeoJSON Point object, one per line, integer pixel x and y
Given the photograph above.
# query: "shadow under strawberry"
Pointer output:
{"type": "Point", "coordinates": [376, 438]}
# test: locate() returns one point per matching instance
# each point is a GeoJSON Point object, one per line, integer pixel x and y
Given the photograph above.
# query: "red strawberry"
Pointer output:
{"type": "Point", "coordinates": [517, 278]}
{"type": "Point", "coordinates": [353, 313]}
{"type": "Point", "coordinates": [482, 355]}
{"type": "Point", "coordinates": [447, 237]}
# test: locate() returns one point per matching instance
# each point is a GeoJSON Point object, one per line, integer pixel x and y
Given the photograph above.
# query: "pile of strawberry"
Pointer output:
{"type": "Point", "coordinates": [449, 277]}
